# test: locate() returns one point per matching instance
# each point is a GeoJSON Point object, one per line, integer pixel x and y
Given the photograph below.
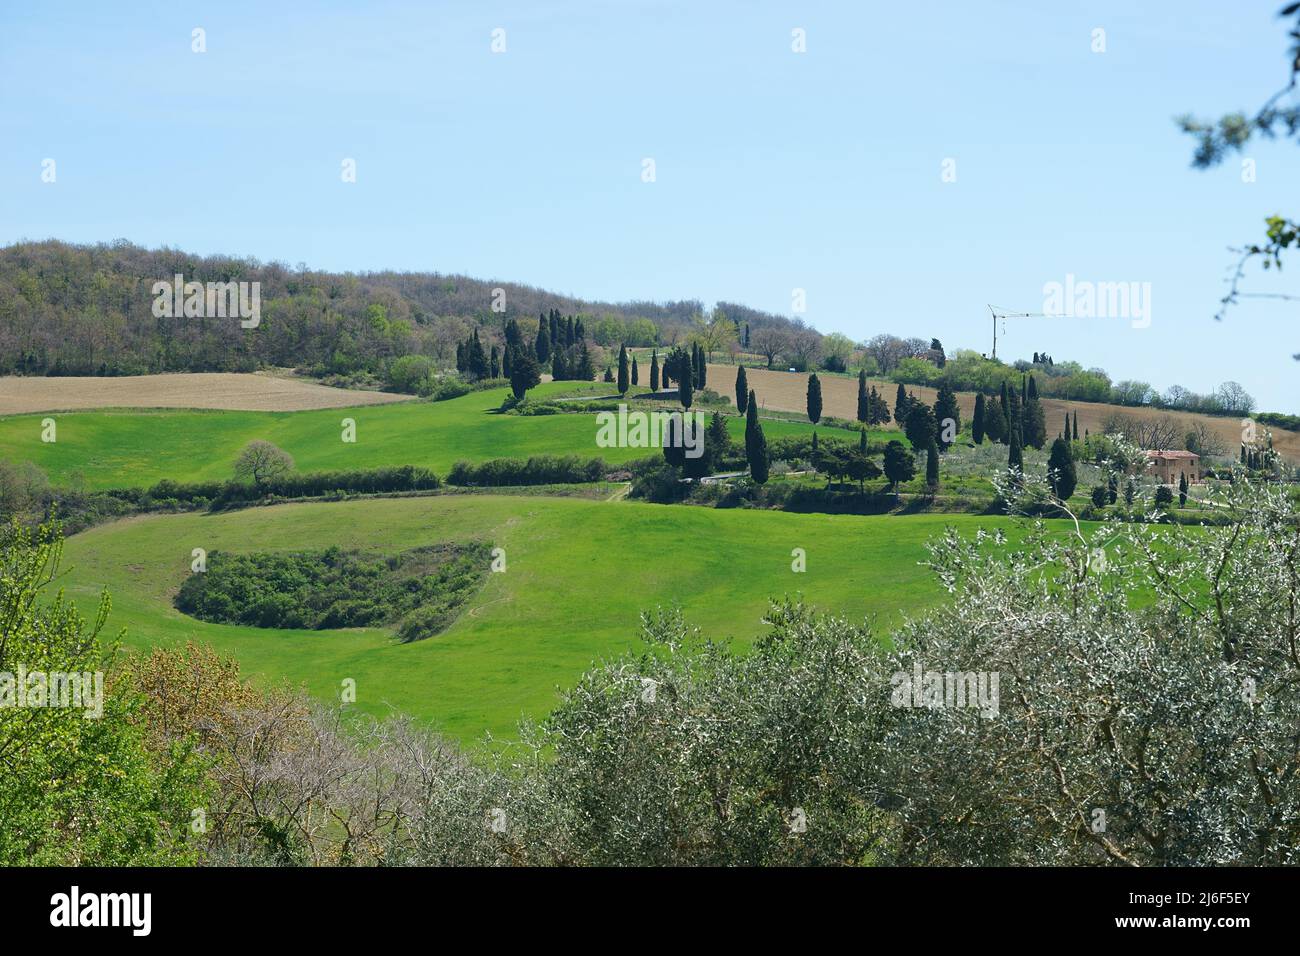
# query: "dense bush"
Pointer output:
{"type": "Point", "coordinates": [420, 590]}
{"type": "Point", "coordinates": [537, 470]}
{"type": "Point", "coordinates": [296, 485]}
{"type": "Point", "coordinates": [410, 373]}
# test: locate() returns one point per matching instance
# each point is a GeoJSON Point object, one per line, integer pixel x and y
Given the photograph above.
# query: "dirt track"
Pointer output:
{"type": "Point", "coordinates": [222, 390]}
{"type": "Point", "coordinates": [788, 391]}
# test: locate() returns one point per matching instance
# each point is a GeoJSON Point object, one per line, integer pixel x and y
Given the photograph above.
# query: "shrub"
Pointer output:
{"type": "Point", "coordinates": [537, 470]}
{"type": "Point", "coordinates": [334, 588]}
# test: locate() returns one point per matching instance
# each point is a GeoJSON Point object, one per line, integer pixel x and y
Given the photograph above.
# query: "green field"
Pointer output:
{"type": "Point", "coordinates": [578, 575]}
{"type": "Point", "coordinates": [137, 448]}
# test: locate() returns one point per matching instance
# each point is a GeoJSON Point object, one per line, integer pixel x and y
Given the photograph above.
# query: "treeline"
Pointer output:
{"type": "Point", "coordinates": [26, 493]}
{"type": "Point", "coordinates": [537, 470]}
{"type": "Point", "coordinates": [368, 481]}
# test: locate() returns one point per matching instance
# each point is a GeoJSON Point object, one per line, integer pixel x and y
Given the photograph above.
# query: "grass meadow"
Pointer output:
{"type": "Point", "coordinates": [139, 447]}
{"type": "Point", "coordinates": [578, 575]}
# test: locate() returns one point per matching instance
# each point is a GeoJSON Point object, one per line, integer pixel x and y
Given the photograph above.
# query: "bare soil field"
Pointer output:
{"type": "Point", "coordinates": [788, 391]}
{"type": "Point", "coordinates": [216, 390]}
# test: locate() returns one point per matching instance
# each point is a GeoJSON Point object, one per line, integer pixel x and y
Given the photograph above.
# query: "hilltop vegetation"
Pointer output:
{"type": "Point", "coordinates": [87, 310]}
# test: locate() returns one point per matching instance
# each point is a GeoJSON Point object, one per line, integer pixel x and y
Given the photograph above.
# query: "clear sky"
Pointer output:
{"type": "Point", "coordinates": [775, 170]}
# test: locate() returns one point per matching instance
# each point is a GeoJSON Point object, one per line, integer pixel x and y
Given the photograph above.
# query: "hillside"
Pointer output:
{"type": "Point", "coordinates": [524, 634]}
{"type": "Point", "coordinates": [787, 391]}
{"type": "Point", "coordinates": [88, 310]}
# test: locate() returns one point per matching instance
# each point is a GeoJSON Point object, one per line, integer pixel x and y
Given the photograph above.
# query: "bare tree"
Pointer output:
{"type": "Point", "coordinates": [1204, 441]}
{"type": "Point", "coordinates": [887, 350]}
{"type": "Point", "coordinates": [1235, 399]}
{"type": "Point", "coordinates": [1155, 432]}
{"type": "Point", "coordinates": [770, 340]}
{"type": "Point", "coordinates": [805, 347]}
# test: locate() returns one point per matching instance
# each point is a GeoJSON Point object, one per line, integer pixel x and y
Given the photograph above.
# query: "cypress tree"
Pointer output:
{"type": "Point", "coordinates": [864, 401]}
{"type": "Point", "coordinates": [755, 443]}
{"type": "Point", "coordinates": [900, 405]}
{"type": "Point", "coordinates": [542, 344]}
{"type": "Point", "coordinates": [1006, 411]}
{"type": "Point", "coordinates": [862, 441]}
{"type": "Point", "coordinates": [1015, 417]}
{"type": "Point", "coordinates": [994, 420]}
{"type": "Point", "coordinates": [586, 370]}
{"type": "Point", "coordinates": [654, 370]}
{"type": "Point", "coordinates": [684, 385]}
{"type": "Point", "coordinates": [1035, 431]}
{"type": "Point", "coordinates": [932, 466]}
{"type": "Point", "coordinates": [814, 398]}
{"type": "Point", "coordinates": [623, 383]}
{"type": "Point", "coordinates": [507, 360]}
{"type": "Point", "coordinates": [742, 390]}
{"type": "Point", "coordinates": [716, 441]}
{"type": "Point", "coordinates": [675, 441]}
{"type": "Point", "coordinates": [977, 422]}
{"type": "Point", "coordinates": [920, 426]}
{"type": "Point", "coordinates": [1061, 474]}
{"type": "Point", "coordinates": [1076, 425]}
{"type": "Point", "coordinates": [478, 360]}
{"type": "Point", "coordinates": [946, 409]}
{"type": "Point", "coordinates": [900, 464]}
{"type": "Point", "coordinates": [1015, 458]}
{"type": "Point", "coordinates": [636, 375]}
{"type": "Point", "coordinates": [1182, 491]}
{"type": "Point", "coordinates": [494, 363]}
{"type": "Point", "coordinates": [524, 374]}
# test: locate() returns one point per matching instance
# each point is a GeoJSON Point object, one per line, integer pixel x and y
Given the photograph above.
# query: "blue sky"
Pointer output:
{"type": "Point", "coordinates": [774, 170]}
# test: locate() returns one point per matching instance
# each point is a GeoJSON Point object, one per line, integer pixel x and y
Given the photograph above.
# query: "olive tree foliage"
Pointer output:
{"type": "Point", "coordinates": [688, 753]}
{"type": "Point", "coordinates": [1159, 735]}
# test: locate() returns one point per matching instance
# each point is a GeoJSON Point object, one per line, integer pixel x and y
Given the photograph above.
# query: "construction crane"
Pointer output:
{"type": "Point", "coordinates": [1004, 315]}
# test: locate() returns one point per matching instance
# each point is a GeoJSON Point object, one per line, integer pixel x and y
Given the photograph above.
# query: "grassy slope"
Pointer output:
{"type": "Point", "coordinates": [579, 573]}
{"type": "Point", "coordinates": [116, 449]}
